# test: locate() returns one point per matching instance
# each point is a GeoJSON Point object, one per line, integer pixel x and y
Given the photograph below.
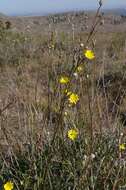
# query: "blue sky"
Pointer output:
{"type": "Point", "coordinates": [47, 6]}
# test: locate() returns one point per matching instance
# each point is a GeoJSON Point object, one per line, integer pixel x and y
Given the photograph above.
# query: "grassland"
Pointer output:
{"type": "Point", "coordinates": [35, 116]}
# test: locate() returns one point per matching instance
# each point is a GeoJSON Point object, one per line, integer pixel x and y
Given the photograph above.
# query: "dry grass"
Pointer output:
{"type": "Point", "coordinates": [35, 150]}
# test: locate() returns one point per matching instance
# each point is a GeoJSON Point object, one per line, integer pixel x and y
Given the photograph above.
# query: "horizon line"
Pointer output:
{"type": "Point", "coordinates": [39, 13]}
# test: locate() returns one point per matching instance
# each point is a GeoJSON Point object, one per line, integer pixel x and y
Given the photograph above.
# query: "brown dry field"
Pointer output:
{"type": "Point", "coordinates": [27, 58]}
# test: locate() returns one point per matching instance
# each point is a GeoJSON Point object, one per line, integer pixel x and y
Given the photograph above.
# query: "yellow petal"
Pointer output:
{"type": "Point", "coordinates": [8, 185]}
{"type": "Point", "coordinates": [122, 147]}
{"type": "Point", "coordinates": [64, 80]}
{"type": "Point", "coordinates": [72, 134]}
{"type": "Point", "coordinates": [74, 98]}
{"type": "Point", "coordinates": [89, 54]}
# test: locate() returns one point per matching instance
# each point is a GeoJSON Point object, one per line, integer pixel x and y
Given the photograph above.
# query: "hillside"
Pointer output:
{"type": "Point", "coordinates": [81, 21]}
{"type": "Point", "coordinates": [2, 15]}
{"type": "Point", "coordinates": [116, 11]}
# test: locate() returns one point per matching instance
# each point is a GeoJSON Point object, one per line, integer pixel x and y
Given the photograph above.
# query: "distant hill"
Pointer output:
{"type": "Point", "coordinates": [2, 15]}
{"type": "Point", "coordinates": [118, 11]}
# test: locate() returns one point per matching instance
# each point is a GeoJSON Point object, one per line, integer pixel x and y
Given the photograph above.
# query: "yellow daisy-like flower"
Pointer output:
{"type": "Point", "coordinates": [122, 147]}
{"type": "Point", "coordinates": [72, 134]}
{"type": "Point", "coordinates": [8, 185]}
{"type": "Point", "coordinates": [89, 54]}
{"type": "Point", "coordinates": [64, 80]}
{"type": "Point", "coordinates": [73, 98]}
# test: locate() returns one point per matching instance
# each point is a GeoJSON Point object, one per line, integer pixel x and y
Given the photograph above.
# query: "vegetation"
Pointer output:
{"type": "Point", "coordinates": [62, 110]}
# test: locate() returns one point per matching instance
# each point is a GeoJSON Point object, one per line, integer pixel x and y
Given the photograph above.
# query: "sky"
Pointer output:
{"type": "Point", "coordinates": [12, 7]}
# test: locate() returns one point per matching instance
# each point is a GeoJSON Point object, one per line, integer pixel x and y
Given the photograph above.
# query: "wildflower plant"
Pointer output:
{"type": "Point", "coordinates": [70, 98]}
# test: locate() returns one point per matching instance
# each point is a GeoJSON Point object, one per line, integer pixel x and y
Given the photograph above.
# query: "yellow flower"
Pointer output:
{"type": "Point", "coordinates": [122, 147]}
{"type": "Point", "coordinates": [89, 54]}
{"type": "Point", "coordinates": [72, 134]}
{"type": "Point", "coordinates": [64, 80]}
{"type": "Point", "coordinates": [74, 98]}
{"type": "Point", "coordinates": [8, 185]}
